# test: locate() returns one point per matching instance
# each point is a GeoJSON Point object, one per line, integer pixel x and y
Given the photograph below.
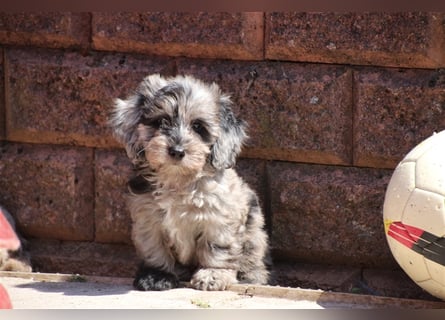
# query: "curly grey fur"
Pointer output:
{"type": "Point", "coordinates": [189, 208]}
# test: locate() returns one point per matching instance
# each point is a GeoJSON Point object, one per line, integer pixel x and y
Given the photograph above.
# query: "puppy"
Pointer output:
{"type": "Point", "coordinates": [193, 217]}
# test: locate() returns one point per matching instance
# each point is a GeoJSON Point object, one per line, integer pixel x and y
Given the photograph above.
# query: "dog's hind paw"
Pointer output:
{"type": "Point", "coordinates": [212, 279]}
{"type": "Point", "coordinates": [150, 279]}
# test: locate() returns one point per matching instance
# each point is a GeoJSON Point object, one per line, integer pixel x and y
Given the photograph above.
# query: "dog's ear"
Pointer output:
{"type": "Point", "coordinates": [231, 137]}
{"type": "Point", "coordinates": [126, 116]}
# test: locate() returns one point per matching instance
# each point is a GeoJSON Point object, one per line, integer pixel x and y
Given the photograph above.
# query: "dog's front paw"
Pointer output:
{"type": "Point", "coordinates": [150, 279]}
{"type": "Point", "coordinates": [213, 279]}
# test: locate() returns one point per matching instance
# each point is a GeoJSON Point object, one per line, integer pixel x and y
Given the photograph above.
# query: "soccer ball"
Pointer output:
{"type": "Point", "coordinates": [414, 214]}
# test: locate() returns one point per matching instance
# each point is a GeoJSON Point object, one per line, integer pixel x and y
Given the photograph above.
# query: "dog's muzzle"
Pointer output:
{"type": "Point", "coordinates": [176, 152]}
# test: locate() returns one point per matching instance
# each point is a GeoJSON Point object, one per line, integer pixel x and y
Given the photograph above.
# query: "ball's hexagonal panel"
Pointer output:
{"type": "Point", "coordinates": [425, 210]}
{"type": "Point", "coordinates": [424, 146]}
{"type": "Point", "coordinates": [436, 271]}
{"type": "Point", "coordinates": [430, 171]}
{"type": "Point", "coordinates": [433, 287]}
{"type": "Point", "coordinates": [399, 190]}
{"type": "Point", "coordinates": [411, 262]}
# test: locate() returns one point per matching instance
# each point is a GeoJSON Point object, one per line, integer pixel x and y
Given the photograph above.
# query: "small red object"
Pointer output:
{"type": "Point", "coordinates": [8, 240]}
{"type": "Point", "coordinates": [5, 302]}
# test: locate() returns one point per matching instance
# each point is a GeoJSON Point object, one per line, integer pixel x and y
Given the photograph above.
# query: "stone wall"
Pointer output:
{"type": "Point", "coordinates": [333, 101]}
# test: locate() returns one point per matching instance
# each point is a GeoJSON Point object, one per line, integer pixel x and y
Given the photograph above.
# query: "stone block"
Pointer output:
{"type": "Point", "coordinates": [113, 220]}
{"type": "Point", "coordinates": [394, 283]}
{"type": "Point", "coordinates": [315, 276]}
{"type": "Point", "coordinates": [327, 214]}
{"type": "Point", "coordinates": [193, 34]}
{"type": "Point", "coordinates": [84, 258]}
{"type": "Point", "coordinates": [403, 39]}
{"type": "Point", "coordinates": [48, 29]}
{"type": "Point", "coordinates": [295, 112]}
{"type": "Point", "coordinates": [49, 190]}
{"type": "Point", "coordinates": [394, 111]}
{"type": "Point", "coordinates": [63, 97]}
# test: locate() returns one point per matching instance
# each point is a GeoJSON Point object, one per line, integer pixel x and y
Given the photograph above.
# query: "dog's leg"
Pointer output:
{"type": "Point", "coordinates": [152, 279]}
{"type": "Point", "coordinates": [213, 279]}
{"type": "Point", "coordinates": [255, 261]}
{"type": "Point", "coordinates": [255, 253]}
{"type": "Point", "coordinates": [156, 272]}
{"type": "Point", "coordinates": [257, 274]}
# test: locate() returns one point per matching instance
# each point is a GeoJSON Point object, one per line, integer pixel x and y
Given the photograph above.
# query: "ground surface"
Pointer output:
{"type": "Point", "coordinates": [55, 291]}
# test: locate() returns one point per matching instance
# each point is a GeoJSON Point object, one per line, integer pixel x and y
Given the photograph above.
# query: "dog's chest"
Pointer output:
{"type": "Point", "coordinates": [181, 234]}
{"type": "Point", "coordinates": [189, 220]}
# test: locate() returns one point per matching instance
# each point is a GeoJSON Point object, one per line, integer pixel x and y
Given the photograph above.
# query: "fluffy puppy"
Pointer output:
{"type": "Point", "coordinates": [193, 217]}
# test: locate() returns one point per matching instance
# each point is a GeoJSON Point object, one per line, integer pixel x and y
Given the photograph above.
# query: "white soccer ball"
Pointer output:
{"type": "Point", "coordinates": [414, 214]}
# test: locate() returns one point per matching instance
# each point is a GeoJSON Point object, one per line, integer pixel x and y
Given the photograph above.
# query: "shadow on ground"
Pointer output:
{"type": "Point", "coordinates": [78, 288]}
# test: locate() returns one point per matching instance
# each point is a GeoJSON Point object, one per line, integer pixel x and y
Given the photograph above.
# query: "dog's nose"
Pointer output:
{"type": "Point", "coordinates": [176, 152]}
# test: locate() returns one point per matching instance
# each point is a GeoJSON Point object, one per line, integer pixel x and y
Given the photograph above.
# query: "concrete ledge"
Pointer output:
{"type": "Point", "coordinates": [61, 291]}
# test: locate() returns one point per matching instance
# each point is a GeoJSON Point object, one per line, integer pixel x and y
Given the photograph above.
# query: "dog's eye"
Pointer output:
{"type": "Point", "coordinates": [157, 123]}
{"type": "Point", "coordinates": [199, 127]}
{"type": "Point", "coordinates": [145, 121]}
{"type": "Point", "coordinates": [161, 122]}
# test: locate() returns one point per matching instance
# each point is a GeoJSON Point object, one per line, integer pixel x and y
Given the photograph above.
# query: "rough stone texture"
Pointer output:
{"type": "Point", "coordinates": [49, 29]}
{"type": "Point", "coordinates": [375, 282]}
{"type": "Point", "coordinates": [323, 214]}
{"type": "Point", "coordinates": [310, 276]}
{"type": "Point", "coordinates": [295, 112]}
{"type": "Point", "coordinates": [393, 283]}
{"type": "Point", "coordinates": [200, 34]}
{"type": "Point", "coordinates": [113, 220]}
{"type": "Point", "coordinates": [394, 111]}
{"type": "Point", "coordinates": [86, 258]}
{"type": "Point", "coordinates": [62, 97]}
{"type": "Point", "coordinates": [384, 39]}
{"type": "Point", "coordinates": [49, 190]}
